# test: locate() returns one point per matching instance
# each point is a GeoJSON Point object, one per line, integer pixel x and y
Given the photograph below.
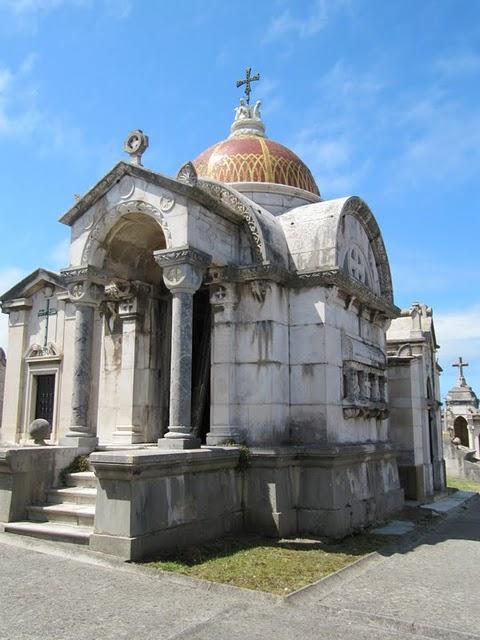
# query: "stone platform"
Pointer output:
{"type": "Point", "coordinates": [149, 500]}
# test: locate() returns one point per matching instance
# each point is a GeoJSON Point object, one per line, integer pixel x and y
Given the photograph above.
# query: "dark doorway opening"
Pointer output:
{"type": "Point", "coordinates": [201, 343]}
{"type": "Point", "coordinates": [45, 398]}
{"type": "Point", "coordinates": [460, 429]}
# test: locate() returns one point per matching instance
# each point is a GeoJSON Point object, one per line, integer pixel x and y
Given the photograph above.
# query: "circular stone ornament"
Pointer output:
{"type": "Point", "coordinates": [135, 145]}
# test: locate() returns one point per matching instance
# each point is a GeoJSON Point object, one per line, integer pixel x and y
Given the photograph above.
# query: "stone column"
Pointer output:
{"type": "Point", "coordinates": [11, 424]}
{"type": "Point", "coordinates": [223, 429]}
{"type": "Point", "coordinates": [182, 274]}
{"type": "Point", "coordinates": [85, 294]}
{"type": "Point", "coordinates": [130, 428]}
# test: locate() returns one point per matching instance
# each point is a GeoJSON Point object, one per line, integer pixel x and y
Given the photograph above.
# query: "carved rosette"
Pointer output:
{"type": "Point", "coordinates": [183, 268]}
{"type": "Point", "coordinates": [84, 285]}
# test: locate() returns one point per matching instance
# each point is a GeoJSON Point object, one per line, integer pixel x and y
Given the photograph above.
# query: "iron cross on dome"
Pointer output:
{"type": "Point", "coordinates": [247, 82]}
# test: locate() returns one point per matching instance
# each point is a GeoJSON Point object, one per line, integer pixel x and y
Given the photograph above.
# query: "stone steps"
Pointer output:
{"type": "Point", "coordinates": [50, 531]}
{"type": "Point", "coordinates": [65, 513]}
{"type": "Point", "coordinates": [85, 479]}
{"type": "Point", "coordinates": [72, 495]}
{"type": "Point", "coordinates": [68, 516]}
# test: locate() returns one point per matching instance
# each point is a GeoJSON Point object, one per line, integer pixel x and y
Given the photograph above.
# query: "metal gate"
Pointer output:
{"type": "Point", "coordinates": [45, 397]}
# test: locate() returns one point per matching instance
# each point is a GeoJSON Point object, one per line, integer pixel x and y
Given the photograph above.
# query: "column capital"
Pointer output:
{"type": "Point", "coordinates": [85, 292]}
{"type": "Point", "coordinates": [183, 268]}
{"type": "Point", "coordinates": [84, 285]}
{"type": "Point", "coordinates": [182, 255]}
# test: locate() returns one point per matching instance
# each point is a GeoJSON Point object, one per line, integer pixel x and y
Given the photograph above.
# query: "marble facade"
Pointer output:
{"type": "Point", "coordinates": [195, 315]}
{"type": "Point", "coordinates": [414, 388]}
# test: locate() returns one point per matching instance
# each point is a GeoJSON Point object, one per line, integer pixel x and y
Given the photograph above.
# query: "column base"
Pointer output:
{"type": "Point", "coordinates": [223, 435]}
{"type": "Point", "coordinates": [179, 443]}
{"type": "Point", "coordinates": [127, 435]}
{"type": "Point", "coordinates": [86, 442]}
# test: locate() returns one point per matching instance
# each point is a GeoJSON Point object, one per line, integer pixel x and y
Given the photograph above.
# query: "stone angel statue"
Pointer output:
{"type": "Point", "coordinates": [242, 112]}
{"type": "Point", "coordinates": [256, 110]}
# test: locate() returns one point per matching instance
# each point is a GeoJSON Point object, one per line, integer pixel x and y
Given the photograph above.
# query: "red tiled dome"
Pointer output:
{"type": "Point", "coordinates": [253, 158]}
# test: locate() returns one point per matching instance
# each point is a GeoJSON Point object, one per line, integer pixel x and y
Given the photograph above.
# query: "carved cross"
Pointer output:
{"type": "Point", "coordinates": [460, 364]}
{"type": "Point", "coordinates": [247, 82]}
{"type": "Point", "coordinates": [46, 313]}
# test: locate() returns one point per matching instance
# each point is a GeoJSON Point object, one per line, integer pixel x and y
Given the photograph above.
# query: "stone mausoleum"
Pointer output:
{"type": "Point", "coordinates": [231, 305]}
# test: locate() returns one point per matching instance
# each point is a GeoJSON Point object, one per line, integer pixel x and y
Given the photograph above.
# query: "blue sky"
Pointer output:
{"type": "Point", "coordinates": [379, 98]}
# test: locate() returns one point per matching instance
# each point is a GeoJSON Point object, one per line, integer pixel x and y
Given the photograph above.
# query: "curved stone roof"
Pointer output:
{"type": "Point", "coordinates": [318, 238]}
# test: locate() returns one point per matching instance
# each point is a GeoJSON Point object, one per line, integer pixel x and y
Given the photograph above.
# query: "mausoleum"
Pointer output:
{"type": "Point", "coordinates": [230, 305]}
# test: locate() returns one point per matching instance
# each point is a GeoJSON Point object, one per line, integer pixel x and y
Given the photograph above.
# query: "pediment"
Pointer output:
{"type": "Point", "coordinates": [35, 281]}
{"type": "Point", "coordinates": [38, 352]}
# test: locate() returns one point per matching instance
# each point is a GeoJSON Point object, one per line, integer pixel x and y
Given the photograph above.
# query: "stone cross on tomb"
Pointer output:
{"type": "Point", "coordinates": [460, 364]}
{"type": "Point", "coordinates": [248, 82]}
{"type": "Point", "coordinates": [46, 313]}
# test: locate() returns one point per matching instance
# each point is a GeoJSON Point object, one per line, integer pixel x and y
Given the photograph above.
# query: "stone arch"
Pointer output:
{"type": "Point", "coordinates": [94, 249]}
{"type": "Point", "coordinates": [254, 221]}
{"type": "Point", "coordinates": [460, 430]}
{"type": "Point", "coordinates": [359, 209]}
{"type": "Point", "coordinates": [404, 350]}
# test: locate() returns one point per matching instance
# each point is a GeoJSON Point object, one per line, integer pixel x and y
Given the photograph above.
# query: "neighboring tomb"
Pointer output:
{"type": "Point", "coordinates": [414, 401]}
{"type": "Point", "coordinates": [462, 428]}
{"type": "Point", "coordinates": [462, 413]}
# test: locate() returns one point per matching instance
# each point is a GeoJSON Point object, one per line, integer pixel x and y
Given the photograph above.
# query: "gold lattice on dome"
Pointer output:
{"type": "Point", "coordinates": [252, 167]}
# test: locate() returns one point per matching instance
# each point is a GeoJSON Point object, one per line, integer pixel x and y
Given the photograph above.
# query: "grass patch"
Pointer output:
{"type": "Point", "coordinates": [461, 484]}
{"type": "Point", "coordinates": [275, 566]}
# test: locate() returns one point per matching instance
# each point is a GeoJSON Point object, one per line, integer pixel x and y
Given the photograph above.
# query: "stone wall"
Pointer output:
{"type": "Point", "coordinates": [460, 461]}
{"type": "Point", "coordinates": [27, 474]}
{"type": "Point", "coordinates": [149, 501]}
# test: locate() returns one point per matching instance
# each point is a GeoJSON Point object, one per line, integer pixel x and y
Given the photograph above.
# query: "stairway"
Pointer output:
{"type": "Point", "coordinates": [68, 515]}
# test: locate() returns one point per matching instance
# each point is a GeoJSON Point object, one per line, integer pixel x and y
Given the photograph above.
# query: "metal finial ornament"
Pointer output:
{"type": "Point", "coordinates": [247, 82]}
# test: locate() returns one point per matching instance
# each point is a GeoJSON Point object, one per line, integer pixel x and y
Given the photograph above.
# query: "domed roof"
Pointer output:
{"type": "Point", "coordinates": [247, 155]}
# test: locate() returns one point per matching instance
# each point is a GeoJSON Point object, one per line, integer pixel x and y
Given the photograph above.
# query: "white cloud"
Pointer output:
{"type": "Point", "coordinates": [26, 13]}
{"type": "Point", "coordinates": [20, 7]}
{"type": "Point", "coordinates": [342, 82]}
{"type": "Point", "coordinates": [443, 142]}
{"type": "Point", "coordinates": [60, 255]}
{"type": "Point", "coordinates": [306, 25]}
{"type": "Point", "coordinates": [23, 118]}
{"type": "Point", "coordinates": [458, 63]}
{"type": "Point", "coordinates": [335, 145]}
{"type": "Point", "coordinates": [458, 332]}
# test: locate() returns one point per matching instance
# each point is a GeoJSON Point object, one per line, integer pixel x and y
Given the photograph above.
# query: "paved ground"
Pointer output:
{"type": "Point", "coordinates": [53, 592]}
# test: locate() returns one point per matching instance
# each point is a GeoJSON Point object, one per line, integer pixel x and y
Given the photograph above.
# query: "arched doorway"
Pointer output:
{"type": "Point", "coordinates": [136, 334]}
{"type": "Point", "coordinates": [460, 430]}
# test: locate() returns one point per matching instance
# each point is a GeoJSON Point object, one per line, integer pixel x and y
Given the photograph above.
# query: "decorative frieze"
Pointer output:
{"type": "Point", "coordinates": [363, 392]}
{"type": "Point", "coordinates": [230, 198]}
{"type": "Point", "coordinates": [182, 255]}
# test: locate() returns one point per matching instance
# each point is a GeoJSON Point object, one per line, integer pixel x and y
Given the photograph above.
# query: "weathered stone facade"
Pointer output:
{"type": "Point", "coordinates": [193, 312]}
{"type": "Point", "coordinates": [414, 392]}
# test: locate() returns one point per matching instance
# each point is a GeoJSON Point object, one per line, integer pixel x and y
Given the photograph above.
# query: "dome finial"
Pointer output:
{"type": "Point", "coordinates": [248, 82]}
{"type": "Point", "coordinates": [248, 120]}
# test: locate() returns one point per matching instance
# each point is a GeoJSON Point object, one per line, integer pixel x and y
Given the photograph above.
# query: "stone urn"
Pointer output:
{"type": "Point", "coordinates": [39, 431]}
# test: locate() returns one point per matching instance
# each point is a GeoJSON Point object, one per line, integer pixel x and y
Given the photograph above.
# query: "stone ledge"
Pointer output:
{"type": "Point", "coordinates": [140, 464]}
